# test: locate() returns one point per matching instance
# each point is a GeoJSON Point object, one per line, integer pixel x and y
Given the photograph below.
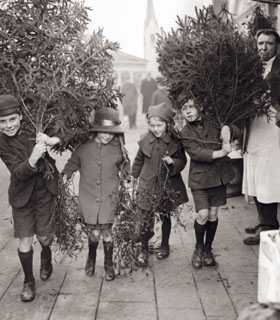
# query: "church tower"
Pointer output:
{"type": "Point", "coordinates": [150, 30]}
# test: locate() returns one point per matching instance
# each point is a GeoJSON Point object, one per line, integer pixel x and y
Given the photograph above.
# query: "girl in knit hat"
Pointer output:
{"type": "Point", "coordinates": [159, 155]}
{"type": "Point", "coordinates": [100, 162]}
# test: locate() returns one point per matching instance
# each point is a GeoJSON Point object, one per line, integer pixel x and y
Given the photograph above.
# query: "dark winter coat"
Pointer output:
{"type": "Point", "coordinates": [148, 87]}
{"type": "Point", "coordinates": [148, 161]}
{"type": "Point", "coordinates": [200, 139]}
{"type": "Point", "coordinates": [99, 166]}
{"type": "Point", "coordinates": [160, 96]}
{"type": "Point", "coordinates": [15, 152]}
{"type": "Point", "coordinates": [274, 79]}
{"type": "Point", "coordinates": [129, 100]}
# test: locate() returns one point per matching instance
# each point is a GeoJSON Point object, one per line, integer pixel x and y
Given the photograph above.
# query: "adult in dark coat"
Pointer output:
{"type": "Point", "coordinates": [160, 96]}
{"type": "Point", "coordinates": [148, 87]}
{"type": "Point", "coordinates": [261, 178]}
{"type": "Point", "coordinates": [129, 101]}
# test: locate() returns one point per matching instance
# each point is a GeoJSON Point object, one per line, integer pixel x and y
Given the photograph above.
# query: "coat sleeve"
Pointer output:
{"type": "Point", "coordinates": [19, 169]}
{"type": "Point", "coordinates": [138, 164]}
{"type": "Point", "coordinates": [180, 161]}
{"type": "Point", "coordinates": [72, 165]}
{"type": "Point", "coordinates": [194, 148]}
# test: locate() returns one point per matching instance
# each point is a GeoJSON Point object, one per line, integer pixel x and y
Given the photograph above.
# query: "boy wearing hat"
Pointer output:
{"type": "Point", "coordinates": [100, 161]}
{"type": "Point", "coordinates": [160, 155]}
{"type": "Point", "coordinates": [30, 194]}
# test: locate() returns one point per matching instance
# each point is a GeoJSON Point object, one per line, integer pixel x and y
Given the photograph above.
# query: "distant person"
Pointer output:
{"type": "Point", "coordinates": [160, 96]}
{"type": "Point", "coordinates": [129, 100]}
{"type": "Point", "coordinates": [148, 87]}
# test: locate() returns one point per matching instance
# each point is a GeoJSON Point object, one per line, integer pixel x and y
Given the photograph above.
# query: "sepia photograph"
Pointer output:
{"type": "Point", "coordinates": [139, 159]}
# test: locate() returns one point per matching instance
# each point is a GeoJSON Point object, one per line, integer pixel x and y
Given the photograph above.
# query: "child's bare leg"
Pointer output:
{"type": "Point", "coordinates": [93, 239]}
{"type": "Point", "coordinates": [211, 228]}
{"type": "Point", "coordinates": [25, 253]}
{"type": "Point", "coordinates": [199, 227]}
{"type": "Point", "coordinates": [108, 255]}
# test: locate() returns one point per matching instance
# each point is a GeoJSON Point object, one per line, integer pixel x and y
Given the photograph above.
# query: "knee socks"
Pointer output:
{"type": "Point", "coordinates": [199, 233]}
{"type": "Point", "coordinates": [108, 253]}
{"type": "Point", "coordinates": [26, 259]}
{"type": "Point", "coordinates": [211, 228]}
{"type": "Point", "coordinates": [165, 229]}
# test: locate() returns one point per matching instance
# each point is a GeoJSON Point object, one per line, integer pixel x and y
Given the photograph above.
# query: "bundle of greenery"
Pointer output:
{"type": "Point", "coordinates": [207, 59]}
{"type": "Point", "coordinates": [57, 72]}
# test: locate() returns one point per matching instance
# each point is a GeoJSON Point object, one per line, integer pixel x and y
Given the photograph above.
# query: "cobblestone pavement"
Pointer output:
{"type": "Point", "coordinates": [167, 289]}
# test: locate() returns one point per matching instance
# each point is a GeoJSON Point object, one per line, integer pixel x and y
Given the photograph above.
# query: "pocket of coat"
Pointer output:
{"type": "Point", "coordinates": [199, 169]}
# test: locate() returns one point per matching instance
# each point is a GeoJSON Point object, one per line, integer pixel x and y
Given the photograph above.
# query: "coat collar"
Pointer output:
{"type": "Point", "coordinates": [166, 138]}
{"type": "Point", "coordinates": [19, 141]}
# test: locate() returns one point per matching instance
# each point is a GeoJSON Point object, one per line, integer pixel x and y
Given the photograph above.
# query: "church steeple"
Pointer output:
{"type": "Point", "coordinates": [150, 14]}
{"type": "Point", "coordinates": [150, 30]}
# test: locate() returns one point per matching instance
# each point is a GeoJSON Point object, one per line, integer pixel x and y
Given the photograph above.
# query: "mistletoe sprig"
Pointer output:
{"type": "Point", "coordinates": [58, 73]}
{"type": "Point", "coordinates": [208, 60]}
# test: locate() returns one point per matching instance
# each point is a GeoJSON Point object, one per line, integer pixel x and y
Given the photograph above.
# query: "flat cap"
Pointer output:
{"type": "Point", "coordinates": [8, 105]}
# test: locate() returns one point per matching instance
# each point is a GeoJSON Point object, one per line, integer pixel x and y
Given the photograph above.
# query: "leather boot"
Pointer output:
{"type": "Point", "coordinates": [209, 260]}
{"type": "Point", "coordinates": [46, 263]}
{"type": "Point", "coordinates": [28, 291]}
{"type": "Point", "coordinates": [197, 258]}
{"type": "Point", "coordinates": [91, 259]}
{"type": "Point", "coordinates": [108, 261]}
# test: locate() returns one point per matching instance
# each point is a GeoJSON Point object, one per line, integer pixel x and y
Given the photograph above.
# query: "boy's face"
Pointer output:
{"type": "Point", "coordinates": [157, 126]}
{"type": "Point", "coordinates": [190, 112]}
{"type": "Point", "coordinates": [10, 124]}
{"type": "Point", "coordinates": [105, 138]}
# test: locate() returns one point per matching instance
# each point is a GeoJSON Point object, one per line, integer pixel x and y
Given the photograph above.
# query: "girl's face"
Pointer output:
{"type": "Point", "coordinates": [157, 126]}
{"type": "Point", "coordinates": [104, 138]}
{"type": "Point", "coordinates": [190, 112]}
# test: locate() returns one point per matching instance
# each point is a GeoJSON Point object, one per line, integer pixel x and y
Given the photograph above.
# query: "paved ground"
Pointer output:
{"type": "Point", "coordinates": [168, 289]}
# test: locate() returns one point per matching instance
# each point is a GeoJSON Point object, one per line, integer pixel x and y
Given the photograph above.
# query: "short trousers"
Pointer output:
{"type": "Point", "coordinates": [37, 217]}
{"type": "Point", "coordinates": [211, 197]}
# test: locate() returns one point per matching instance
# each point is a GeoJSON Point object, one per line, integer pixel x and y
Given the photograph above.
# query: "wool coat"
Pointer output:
{"type": "Point", "coordinates": [15, 152]}
{"type": "Point", "coordinates": [148, 87]}
{"type": "Point", "coordinates": [99, 166]}
{"type": "Point", "coordinates": [200, 139]}
{"type": "Point", "coordinates": [148, 162]}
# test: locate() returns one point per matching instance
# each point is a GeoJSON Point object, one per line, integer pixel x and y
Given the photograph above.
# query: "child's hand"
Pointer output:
{"type": "Point", "coordinates": [225, 134]}
{"type": "Point", "coordinates": [168, 160]}
{"type": "Point", "coordinates": [49, 141]}
{"type": "Point", "coordinates": [37, 153]}
{"type": "Point", "coordinates": [65, 179]}
{"type": "Point", "coordinates": [226, 148]}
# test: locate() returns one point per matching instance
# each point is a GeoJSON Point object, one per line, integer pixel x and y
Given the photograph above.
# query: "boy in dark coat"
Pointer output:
{"type": "Point", "coordinates": [30, 194]}
{"type": "Point", "coordinates": [210, 172]}
{"type": "Point", "coordinates": [158, 150]}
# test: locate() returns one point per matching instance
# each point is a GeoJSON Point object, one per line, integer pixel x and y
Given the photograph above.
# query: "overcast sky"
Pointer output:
{"type": "Point", "coordinates": [123, 20]}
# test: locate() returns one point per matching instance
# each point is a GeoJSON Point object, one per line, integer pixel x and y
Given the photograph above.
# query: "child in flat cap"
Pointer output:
{"type": "Point", "coordinates": [159, 155]}
{"type": "Point", "coordinates": [30, 194]}
{"type": "Point", "coordinates": [100, 161]}
{"type": "Point", "coordinates": [210, 172]}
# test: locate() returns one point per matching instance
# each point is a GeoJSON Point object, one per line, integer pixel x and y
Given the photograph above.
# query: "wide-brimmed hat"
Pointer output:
{"type": "Point", "coordinates": [162, 111]}
{"type": "Point", "coordinates": [8, 105]}
{"type": "Point", "coordinates": [106, 120]}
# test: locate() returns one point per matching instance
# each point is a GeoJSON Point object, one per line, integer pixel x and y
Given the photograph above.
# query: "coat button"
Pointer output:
{"type": "Point", "coordinates": [98, 182]}
{"type": "Point", "coordinates": [98, 163]}
{"type": "Point", "coordinates": [97, 199]}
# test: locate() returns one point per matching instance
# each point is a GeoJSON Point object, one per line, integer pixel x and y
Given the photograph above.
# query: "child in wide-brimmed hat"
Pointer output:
{"type": "Point", "coordinates": [159, 154]}
{"type": "Point", "coordinates": [30, 194]}
{"type": "Point", "coordinates": [99, 162]}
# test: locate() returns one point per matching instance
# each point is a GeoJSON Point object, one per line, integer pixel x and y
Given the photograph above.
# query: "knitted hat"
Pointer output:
{"type": "Point", "coordinates": [106, 120]}
{"type": "Point", "coordinates": [8, 105]}
{"type": "Point", "coordinates": [162, 111]}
